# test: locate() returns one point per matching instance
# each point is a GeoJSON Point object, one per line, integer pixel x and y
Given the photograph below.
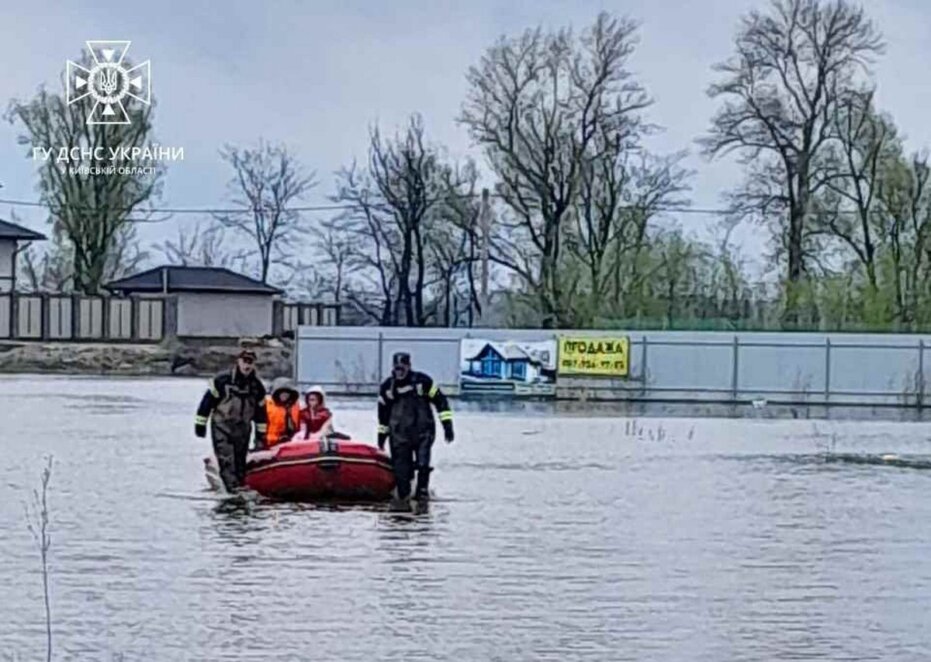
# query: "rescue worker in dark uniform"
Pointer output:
{"type": "Point", "coordinates": [406, 419]}
{"type": "Point", "coordinates": [233, 402]}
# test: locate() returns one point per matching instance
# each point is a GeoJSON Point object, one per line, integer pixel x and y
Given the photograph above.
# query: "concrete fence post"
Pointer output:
{"type": "Point", "coordinates": [381, 357]}
{"type": "Point", "coordinates": [644, 372]}
{"type": "Point", "coordinates": [45, 317]}
{"type": "Point", "coordinates": [296, 375]}
{"type": "Point", "coordinates": [827, 368]}
{"type": "Point", "coordinates": [160, 331]}
{"type": "Point", "coordinates": [735, 369]}
{"type": "Point", "coordinates": [8, 332]}
{"type": "Point", "coordinates": [920, 397]}
{"type": "Point", "coordinates": [133, 318]}
{"type": "Point", "coordinates": [14, 315]}
{"type": "Point", "coordinates": [278, 322]}
{"type": "Point", "coordinates": [75, 317]}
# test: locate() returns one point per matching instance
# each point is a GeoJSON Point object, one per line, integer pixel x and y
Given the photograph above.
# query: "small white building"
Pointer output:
{"type": "Point", "coordinates": [205, 302]}
{"type": "Point", "coordinates": [10, 237]}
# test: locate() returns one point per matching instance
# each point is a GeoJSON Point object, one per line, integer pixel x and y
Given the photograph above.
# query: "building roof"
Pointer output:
{"type": "Point", "coordinates": [13, 231]}
{"type": "Point", "coordinates": [507, 351]}
{"type": "Point", "coordinates": [191, 279]}
{"type": "Point", "coordinates": [514, 352]}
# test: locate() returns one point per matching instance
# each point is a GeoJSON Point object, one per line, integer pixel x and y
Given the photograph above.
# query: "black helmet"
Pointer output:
{"type": "Point", "coordinates": [401, 358]}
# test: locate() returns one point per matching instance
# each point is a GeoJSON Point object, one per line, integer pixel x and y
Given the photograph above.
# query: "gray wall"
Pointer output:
{"type": "Point", "coordinates": [29, 316]}
{"type": "Point", "coordinates": [219, 315]}
{"type": "Point", "coordinates": [60, 317]}
{"type": "Point", "coordinates": [90, 317]}
{"type": "Point", "coordinates": [7, 248]}
{"type": "Point", "coordinates": [150, 317]}
{"type": "Point", "coordinates": [6, 320]}
{"type": "Point", "coordinates": [691, 366]}
{"type": "Point", "coordinates": [120, 316]}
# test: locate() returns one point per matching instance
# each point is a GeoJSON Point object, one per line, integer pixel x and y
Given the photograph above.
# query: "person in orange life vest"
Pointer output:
{"type": "Point", "coordinates": [316, 419]}
{"type": "Point", "coordinates": [282, 412]}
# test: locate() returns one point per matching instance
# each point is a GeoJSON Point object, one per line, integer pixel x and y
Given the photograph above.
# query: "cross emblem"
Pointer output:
{"type": "Point", "coordinates": [108, 82]}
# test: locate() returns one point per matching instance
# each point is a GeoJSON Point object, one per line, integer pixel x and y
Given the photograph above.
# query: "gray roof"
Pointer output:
{"type": "Point", "coordinates": [191, 279]}
{"type": "Point", "coordinates": [13, 231]}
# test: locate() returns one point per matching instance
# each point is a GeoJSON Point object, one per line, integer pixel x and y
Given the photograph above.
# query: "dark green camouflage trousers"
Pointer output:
{"type": "Point", "coordinates": [231, 445]}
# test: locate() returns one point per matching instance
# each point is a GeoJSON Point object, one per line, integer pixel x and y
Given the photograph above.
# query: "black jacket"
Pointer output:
{"type": "Point", "coordinates": [218, 389]}
{"type": "Point", "coordinates": [416, 385]}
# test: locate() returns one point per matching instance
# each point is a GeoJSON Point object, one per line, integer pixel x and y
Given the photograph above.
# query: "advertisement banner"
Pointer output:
{"type": "Point", "coordinates": [510, 368]}
{"type": "Point", "coordinates": [606, 357]}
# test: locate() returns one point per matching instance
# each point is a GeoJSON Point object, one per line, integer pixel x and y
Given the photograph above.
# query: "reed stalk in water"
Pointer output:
{"type": "Point", "coordinates": [37, 519]}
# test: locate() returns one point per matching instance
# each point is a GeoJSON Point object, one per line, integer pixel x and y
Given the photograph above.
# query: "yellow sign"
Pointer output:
{"type": "Point", "coordinates": [594, 356]}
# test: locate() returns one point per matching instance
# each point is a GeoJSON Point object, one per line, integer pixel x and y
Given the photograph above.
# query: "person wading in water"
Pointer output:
{"type": "Point", "coordinates": [405, 417]}
{"type": "Point", "coordinates": [232, 404]}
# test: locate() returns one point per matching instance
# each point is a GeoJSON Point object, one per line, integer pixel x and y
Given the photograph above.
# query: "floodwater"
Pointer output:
{"type": "Point", "coordinates": [553, 537]}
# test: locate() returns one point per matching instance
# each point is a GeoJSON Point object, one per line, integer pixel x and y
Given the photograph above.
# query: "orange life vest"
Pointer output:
{"type": "Point", "coordinates": [283, 421]}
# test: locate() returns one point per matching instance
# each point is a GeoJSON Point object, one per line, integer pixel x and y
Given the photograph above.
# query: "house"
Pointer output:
{"type": "Point", "coordinates": [206, 302]}
{"type": "Point", "coordinates": [505, 362]}
{"type": "Point", "coordinates": [10, 236]}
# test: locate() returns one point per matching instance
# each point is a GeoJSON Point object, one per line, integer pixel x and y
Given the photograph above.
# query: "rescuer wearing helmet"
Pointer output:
{"type": "Point", "coordinates": [405, 417]}
{"type": "Point", "coordinates": [233, 403]}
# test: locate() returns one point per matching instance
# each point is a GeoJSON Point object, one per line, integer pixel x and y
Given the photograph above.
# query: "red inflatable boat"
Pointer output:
{"type": "Point", "coordinates": [325, 469]}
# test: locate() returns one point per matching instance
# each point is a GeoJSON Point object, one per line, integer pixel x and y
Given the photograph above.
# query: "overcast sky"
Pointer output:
{"type": "Point", "coordinates": [316, 75]}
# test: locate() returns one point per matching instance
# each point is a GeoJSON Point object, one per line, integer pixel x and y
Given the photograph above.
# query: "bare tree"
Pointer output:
{"type": "Point", "coordinates": [307, 281]}
{"type": "Point", "coordinates": [726, 280]}
{"type": "Point", "coordinates": [406, 176]}
{"type": "Point", "coordinates": [535, 105]}
{"type": "Point", "coordinates": [396, 205]}
{"type": "Point", "coordinates": [621, 192]}
{"type": "Point", "coordinates": [793, 66]}
{"type": "Point", "coordinates": [44, 268]}
{"type": "Point", "coordinates": [44, 271]}
{"type": "Point", "coordinates": [679, 273]}
{"type": "Point", "coordinates": [905, 192]}
{"type": "Point", "coordinates": [89, 210]}
{"type": "Point", "coordinates": [199, 246]}
{"type": "Point", "coordinates": [50, 268]}
{"type": "Point", "coordinates": [373, 240]}
{"type": "Point", "coordinates": [455, 239]}
{"type": "Point", "coordinates": [126, 255]}
{"type": "Point", "coordinates": [267, 181]}
{"type": "Point", "coordinates": [339, 253]}
{"type": "Point", "coordinates": [447, 254]}
{"type": "Point", "coordinates": [866, 145]}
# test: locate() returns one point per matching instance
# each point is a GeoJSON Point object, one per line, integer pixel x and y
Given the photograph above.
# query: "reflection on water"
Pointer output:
{"type": "Point", "coordinates": [553, 537]}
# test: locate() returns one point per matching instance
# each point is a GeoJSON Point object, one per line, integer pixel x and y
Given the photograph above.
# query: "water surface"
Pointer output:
{"type": "Point", "coordinates": [553, 537]}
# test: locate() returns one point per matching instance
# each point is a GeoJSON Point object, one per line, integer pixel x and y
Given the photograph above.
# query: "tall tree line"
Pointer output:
{"type": "Point", "coordinates": [580, 226]}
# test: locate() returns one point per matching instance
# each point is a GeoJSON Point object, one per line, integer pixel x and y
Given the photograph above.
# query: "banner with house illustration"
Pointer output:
{"type": "Point", "coordinates": [511, 368]}
{"type": "Point", "coordinates": [606, 357]}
